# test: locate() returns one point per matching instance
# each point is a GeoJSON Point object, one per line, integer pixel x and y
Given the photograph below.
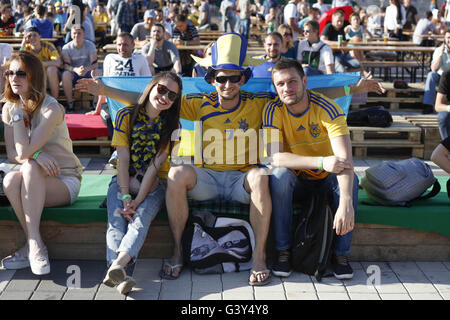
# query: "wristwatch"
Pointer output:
{"type": "Point", "coordinates": [17, 117]}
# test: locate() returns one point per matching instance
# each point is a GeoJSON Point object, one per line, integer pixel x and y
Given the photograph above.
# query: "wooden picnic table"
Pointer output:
{"type": "Point", "coordinates": [379, 42]}
{"type": "Point", "coordinates": [11, 40]}
{"type": "Point", "coordinates": [111, 47]}
{"type": "Point", "coordinates": [394, 48]}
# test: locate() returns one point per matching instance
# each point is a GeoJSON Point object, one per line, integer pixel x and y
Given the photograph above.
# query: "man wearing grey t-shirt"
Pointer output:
{"type": "Point", "coordinates": [80, 59]}
{"type": "Point", "coordinates": [162, 55]}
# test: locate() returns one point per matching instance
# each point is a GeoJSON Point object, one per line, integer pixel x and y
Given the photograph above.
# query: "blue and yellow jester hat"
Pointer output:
{"type": "Point", "coordinates": [229, 52]}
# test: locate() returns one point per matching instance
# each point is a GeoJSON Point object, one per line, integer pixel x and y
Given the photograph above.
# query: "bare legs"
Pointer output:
{"type": "Point", "coordinates": [29, 191]}
{"type": "Point", "coordinates": [181, 179]}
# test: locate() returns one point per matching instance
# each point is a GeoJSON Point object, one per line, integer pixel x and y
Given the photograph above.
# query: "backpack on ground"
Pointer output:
{"type": "Point", "coordinates": [399, 183]}
{"type": "Point", "coordinates": [213, 244]}
{"type": "Point", "coordinates": [370, 117]}
{"type": "Point", "coordinates": [313, 237]}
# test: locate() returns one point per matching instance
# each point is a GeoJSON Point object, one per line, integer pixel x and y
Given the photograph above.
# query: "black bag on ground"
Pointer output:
{"type": "Point", "coordinates": [213, 244]}
{"type": "Point", "coordinates": [313, 237]}
{"type": "Point", "coordinates": [369, 117]}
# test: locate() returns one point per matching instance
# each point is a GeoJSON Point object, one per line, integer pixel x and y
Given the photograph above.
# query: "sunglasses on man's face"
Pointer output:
{"type": "Point", "coordinates": [162, 89]}
{"type": "Point", "coordinates": [18, 73]}
{"type": "Point", "coordinates": [232, 79]}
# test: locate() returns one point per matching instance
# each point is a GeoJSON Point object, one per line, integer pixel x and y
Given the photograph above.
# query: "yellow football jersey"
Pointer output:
{"type": "Point", "coordinates": [226, 139]}
{"type": "Point", "coordinates": [48, 51]}
{"type": "Point", "coordinates": [307, 134]}
{"type": "Point", "coordinates": [122, 132]}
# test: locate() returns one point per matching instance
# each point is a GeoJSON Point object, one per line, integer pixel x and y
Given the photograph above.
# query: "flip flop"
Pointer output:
{"type": "Point", "coordinates": [256, 274]}
{"type": "Point", "coordinates": [169, 276]}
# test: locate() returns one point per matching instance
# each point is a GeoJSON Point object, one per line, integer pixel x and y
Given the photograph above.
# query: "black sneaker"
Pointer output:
{"type": "Point", "coordinates": [341, 268]}
{"type": "Point", "coordinates": [282, 268]}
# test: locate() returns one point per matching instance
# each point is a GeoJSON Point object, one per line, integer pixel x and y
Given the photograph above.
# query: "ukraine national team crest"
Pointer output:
{"type": "Point", "coordinates": [314, 130]}
{"type": "Point", "coordinates": [243, 125]}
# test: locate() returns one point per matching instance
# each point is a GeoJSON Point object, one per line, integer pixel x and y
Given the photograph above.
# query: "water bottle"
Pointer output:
{"type": "Point", "coordinates": [340, 38]}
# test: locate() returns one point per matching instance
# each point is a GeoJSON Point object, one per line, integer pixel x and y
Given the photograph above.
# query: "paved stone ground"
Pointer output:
{"type": "Point", "coordinates": [371, 281]}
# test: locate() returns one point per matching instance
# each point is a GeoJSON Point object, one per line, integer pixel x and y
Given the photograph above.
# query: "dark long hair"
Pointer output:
{"type": "Point", "coordinates": [169, 117]}
{"type": "Point", "coordinates": [399, 11]}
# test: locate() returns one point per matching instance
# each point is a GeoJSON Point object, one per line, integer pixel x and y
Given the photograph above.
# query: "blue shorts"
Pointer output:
{"type": "Point", "coordinates": [76, 77]}
{"type": "Point", "coordinates": [219, 185]}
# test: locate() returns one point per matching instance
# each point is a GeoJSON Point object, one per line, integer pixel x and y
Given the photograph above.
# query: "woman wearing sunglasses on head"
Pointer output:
{"type": "Point", "coordinates": [37, 139]}
{"type": "Point", "coordinates": [142, 136]}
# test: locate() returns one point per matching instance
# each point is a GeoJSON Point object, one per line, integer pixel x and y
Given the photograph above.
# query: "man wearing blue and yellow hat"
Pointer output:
{"type": "Point", "coordinates": [227, 173]}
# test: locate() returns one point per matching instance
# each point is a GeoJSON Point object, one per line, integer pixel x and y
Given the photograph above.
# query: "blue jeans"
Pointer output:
{"type": "Point", "coordinates": [286, 186]}
{"type": "Point", "coordinates": [244, 27]}
{"type": "Point", "coordinates": [429, 95]}
{"type": "Point", "coordinates": [344, 61]}
{"type": "Point", "coordinates": [231, 22]}
{"type": "Point", "coordinates": [444, 124]}
{"type": "Point", "coordinates": [124, 236]}
{"type": "Point", "coordinates": [310, 71]}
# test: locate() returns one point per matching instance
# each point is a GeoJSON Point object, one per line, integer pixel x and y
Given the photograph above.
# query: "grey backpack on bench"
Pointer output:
{"type": "Point", "coordinates": [398, 183]}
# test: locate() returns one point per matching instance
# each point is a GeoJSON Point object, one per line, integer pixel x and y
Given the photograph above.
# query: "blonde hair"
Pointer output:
{"type": "Point", "coordinates": [282, 29]}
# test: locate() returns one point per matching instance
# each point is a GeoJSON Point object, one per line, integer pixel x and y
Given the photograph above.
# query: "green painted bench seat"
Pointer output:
{"type": "Point", "coordinates": [429, 215]}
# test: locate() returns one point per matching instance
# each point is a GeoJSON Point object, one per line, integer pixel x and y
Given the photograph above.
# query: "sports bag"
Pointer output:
{"type": "Point", "coordinates": [370, 117]}
{"type": "Point", "coordinates": [213, 244]}
{"type": "Point", "coordinates": [399, 183]}
{"type": "Point", "coordinates": [313, 237]}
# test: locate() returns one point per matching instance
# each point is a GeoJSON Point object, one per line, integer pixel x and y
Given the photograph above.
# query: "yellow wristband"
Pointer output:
{"type": "Point", "coordinates": [448, 108]}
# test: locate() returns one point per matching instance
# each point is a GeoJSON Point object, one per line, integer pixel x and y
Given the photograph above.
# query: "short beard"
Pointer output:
{"type": "Point", "coordinates": [228, 98]}
{"type": "Point", "coordinates": [298, 100]}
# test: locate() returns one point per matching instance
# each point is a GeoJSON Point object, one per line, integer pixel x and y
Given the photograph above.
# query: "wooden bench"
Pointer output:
{"type": "Point", "coordinates": [430, 131]}
{"type": "Point", "coordinates": [400, 135]}
{"type": "Point", "coordinates": [396, 99]}
{"type": "Point", "coordinates": [79, 231]}
{"type": "Point", "coordinates": [385, 69]}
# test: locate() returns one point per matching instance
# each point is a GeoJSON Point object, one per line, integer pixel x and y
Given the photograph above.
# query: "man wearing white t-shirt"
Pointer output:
{"type": "Point", "coordinates": [121, 64]}
{"type": "Point", "coordinates": [315, 55]}
{"type": "Point", "coordinates": [291, 18]}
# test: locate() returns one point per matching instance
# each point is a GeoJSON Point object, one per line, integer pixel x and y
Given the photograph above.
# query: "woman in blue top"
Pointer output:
{"type": "Point", "coordinates": [288, 46]}
{"type": "Point", "coordinates": [354, 33]}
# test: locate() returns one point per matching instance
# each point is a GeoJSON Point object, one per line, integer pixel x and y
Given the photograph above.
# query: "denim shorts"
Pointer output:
{"type": "Point", "coordinates": [219, 185]}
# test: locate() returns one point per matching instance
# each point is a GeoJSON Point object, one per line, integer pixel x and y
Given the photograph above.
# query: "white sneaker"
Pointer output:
{"type": "Point", "coordinates": [114, 276]}
{"type": "Point", "coordinates": [113, 160]}
{"type": "Point", "coordinates": [18, 260]}
{"type": "Point", "coordinates": [126, 286]}
{"type": "Point", "coordinates": [39, 262]}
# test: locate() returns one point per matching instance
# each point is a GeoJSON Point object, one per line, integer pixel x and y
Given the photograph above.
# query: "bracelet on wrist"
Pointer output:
{"type": "Point", "coordinates": [448, 108]}
{"type": "Point", "coordinates": [320, 164]}
{"type": "Point", "coordinates": [347, 90]}
{"type": "Point", "coordinates": [36, 154]}
{"type": "Point", "coordinates": [126, 196]}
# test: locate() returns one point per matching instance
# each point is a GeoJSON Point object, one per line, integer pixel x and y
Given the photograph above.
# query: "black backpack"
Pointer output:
{"type": "Point", "coordinates": [370, 117]}
{"type": "Point", "coordinates": [313, 237]}
{"type": "Point", "coordinates": [214, 244]}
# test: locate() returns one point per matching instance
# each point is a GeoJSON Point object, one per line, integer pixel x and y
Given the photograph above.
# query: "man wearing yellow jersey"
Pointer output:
{"type": "Point", "coordinates": [47, 53]}
{"type": "Point", "coordinates": [224, 172]}
{"type": "Point", "coordinates": [315, 152]}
